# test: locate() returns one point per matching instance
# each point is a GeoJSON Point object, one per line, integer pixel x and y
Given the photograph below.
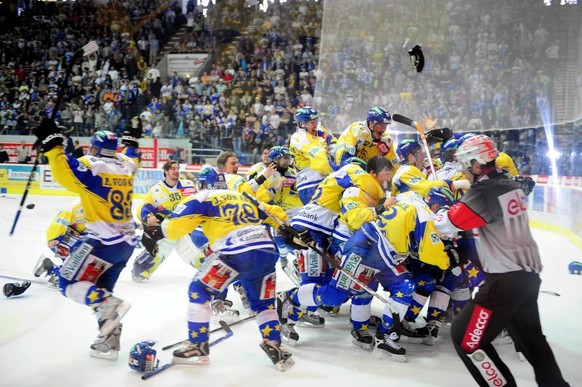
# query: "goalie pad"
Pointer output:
{"type": "Point", "coordinates": [189, 252]}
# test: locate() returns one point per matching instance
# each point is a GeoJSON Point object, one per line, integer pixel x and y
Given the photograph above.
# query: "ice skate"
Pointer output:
{"type": "Point", "coordinates": [107, 347]}
{"type": "Point", "coordinates": [503, 338]}
{"type": "Point", "coordinates": [386, 342]}
{"type": "Point", "coordinates": [44, 266]}
{"type": "Point", "coordinates": [283, 304]}
{"type": "Point", "coordinates": [139, 277]}
{"type": "Point", "coordinates": [110, 313]}
{"type": "Point", "coordinates": [192, 354]}
{"type": "Point", "coordinates": [289, 334]}
{"type": "Point", "coordinates": [278, 354]}
{"type": "Point", "coordinates": [431, 330]}
{"type": "Point", "coordinates": [329, 311]}
{"type": "Point", "coordinates": [363, 339]}
{"type": "Point", "coordinates": [409, 334]}
{"type": "Point", "coordinates": [222, 310]}
{"type": "Point", "coordinates": [53, 282]}
{"type": "Point", "coordinates": [311, 320]}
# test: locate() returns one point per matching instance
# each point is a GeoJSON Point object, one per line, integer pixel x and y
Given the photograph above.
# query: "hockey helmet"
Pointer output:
{"type": "Point", "coordinates": [105, 142]}
{"type": "Point", "coordinates": [406, 147]}
{"type": "Point", "coordinates": [379, 115]}
{"type": "Point", "coordinates": [279, 151]}
{"type": "Point", "coordinates": [211, 178]}
{"type": "Point", "coordinates": [305, 115]}
{"type": "Point", "coordinates": [479, 147]}
{"type": "Point", "coordinates": [439, 195]}
{"type": "Point", "coordinates": [142, 357]}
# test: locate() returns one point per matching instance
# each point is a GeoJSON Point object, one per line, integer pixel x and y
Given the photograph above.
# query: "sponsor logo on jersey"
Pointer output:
{"type": "Point", "coordinates": [476, 328]}
{"type": "Point", "coordinates": [434, 237]}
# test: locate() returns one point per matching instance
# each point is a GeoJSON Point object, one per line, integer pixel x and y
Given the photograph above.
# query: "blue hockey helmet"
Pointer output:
{"type": "Point", "coordinates": [279, 151]}
{"type": "Point", "coordinates": [406, 147]}
{"type": "Point", "coordinates": [379, 115]}
{"type": "Point", "coordinates": [211, 178]}
{"type": "Point", "coordinates": [142, 357]}
{"type": "Point", "coordinates": [105, 142]}
{"type": "Point", "coordinates": [451, 143]}
{"type": "Point", "coordinates": [441, 196]}
{"type": "Point", "coordinates": [305, 114]}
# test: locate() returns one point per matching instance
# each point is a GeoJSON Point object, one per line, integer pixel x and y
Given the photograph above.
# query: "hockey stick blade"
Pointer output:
{"type": "Point", "coordinates": [248, 318]}
{"type": "Point", "coordinates": [404, 120]}
{"type": "Point", "coordinates": [228, 334]}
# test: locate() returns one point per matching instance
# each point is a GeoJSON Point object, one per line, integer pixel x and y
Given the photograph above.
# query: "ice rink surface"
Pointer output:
{"type": "Point", "coordinates": [45, 338]}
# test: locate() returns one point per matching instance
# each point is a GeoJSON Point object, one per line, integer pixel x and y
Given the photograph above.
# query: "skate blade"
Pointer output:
{"type": "Point", "coordinates": [305, 324]}
{"type": "Point", "coordinates": [411, 340]}
{"type": "Point", "coordinates": [502, 340]}
{"type": "Point", "coordinates": [284, 365]}
{"type": "Point", "coordinates": [429, 340]}
{"type": "Point", "coordinates": [109, 355]}
{"type": "Point", "coordinates": [367, 347]}
{"type": "Point", "coordinates": [288, 341]}
{"type": "Point", "coordinates": [194, 360]}
{"type": "Point", "coordinates": [398, 358]}
{"type": "Point", "coordinates": [111, 324]}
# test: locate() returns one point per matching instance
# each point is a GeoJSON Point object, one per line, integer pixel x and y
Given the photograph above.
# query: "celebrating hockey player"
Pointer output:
{"type": "Point", "coordinates": [367, 139]}
{"type": "Point", "coordinates": [157, 204]}
{"type": "Point", "coordinates": [313, 148]}
{"type": "Point", "coordinates": [244, 253]}
{"type": "Point", "coordinates": [104, 182]}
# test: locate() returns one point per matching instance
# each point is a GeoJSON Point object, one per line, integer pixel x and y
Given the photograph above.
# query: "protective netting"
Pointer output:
{"type": "Point", "coordinates": [508, 68]}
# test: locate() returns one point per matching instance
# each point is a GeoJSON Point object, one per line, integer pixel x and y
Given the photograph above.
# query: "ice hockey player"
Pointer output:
{"type": "Point", "coordinates": [244, 253]}
{"type": "Point", "coordinates": [367, 139]}
{"type": "Point", "coordinates": [62, 235]}
{"type": "Point", "coordinates": [157, 204]}
{"type": "Point", "coordinates": [104, 182]}
{"type": "Point", "coordinates": [495, 207]}
{"type": "Point", "coordinates": [313, 147]}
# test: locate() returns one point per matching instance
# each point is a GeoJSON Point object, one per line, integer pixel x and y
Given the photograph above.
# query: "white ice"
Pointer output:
{"type": "Point", "coordinates": [45, 338]}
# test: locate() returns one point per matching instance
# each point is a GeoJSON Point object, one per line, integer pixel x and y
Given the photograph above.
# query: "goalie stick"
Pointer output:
{"type": "Point", "coordinates": [228, 334]}
{"type": "Point", "coordinates": [33, 281]}
{"type": "Point", "coordinates": [87, 49]}
{"type": "Point", "coordinates": [418, 126]}
{"type": "Point", "coordinates": [212, 331]}
{"type": "Point", "coordinates": [332, 262]}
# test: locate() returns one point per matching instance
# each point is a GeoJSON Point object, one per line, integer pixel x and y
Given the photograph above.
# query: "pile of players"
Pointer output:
{"type": "Point", "coordinates": [342, 215]}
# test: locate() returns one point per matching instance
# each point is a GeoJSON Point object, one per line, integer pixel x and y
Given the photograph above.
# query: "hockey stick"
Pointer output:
{"type": "Point", "coordinates": [87, 49]}
{"type": "Point", "coordinates": [169, 346]}
{"type": "Point", "coordinates": [550, 293]}
{"type": "Point", "coordinates": [33, 281]}
{"type": "Point", "coordinates": [228, 334]}
{"type": "Point", "coordinates": [418, 126]}
{"type": "Point", "coordinates": [312, 246]}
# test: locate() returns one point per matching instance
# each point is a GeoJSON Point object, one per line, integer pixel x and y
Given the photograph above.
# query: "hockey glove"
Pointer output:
{"type": "Point", "coordinates": [456, 256]}
{"type": "Point", "coordinates": [439, 135]}
{"type": "Point", "coordinates": [299, 240]}
{"type": "Point", "coordinates": [151, 235]}
{"type": "Point", "coordinates": [48, 134]}
{"type": "Point", "coordinates": [132, 133]}
{"type": "Point", "coordinates": [525, 183]}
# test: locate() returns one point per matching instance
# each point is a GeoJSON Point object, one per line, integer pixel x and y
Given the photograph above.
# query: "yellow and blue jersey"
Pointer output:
{"type": "Point", "coordinates": [161, 199]}
{"type": "Point", "coordinates": [408, 227]}
{"type": "Point", "coordinates": [282, 191]}
{"type": "Point", "coordinates": [409, 178]}
{"type": "Point", "coordinates": [357, 204]}
{"type": "Point", "coordinates": [230, 221]}
{"type": "Point", "coordinates": [72, 217]}
{"type": "Point", "coordinates": [105, 187]}
{"type": "Point", "coordinates": [312, 156]}
{"type": "Point", "coordinates": [357, 141]}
